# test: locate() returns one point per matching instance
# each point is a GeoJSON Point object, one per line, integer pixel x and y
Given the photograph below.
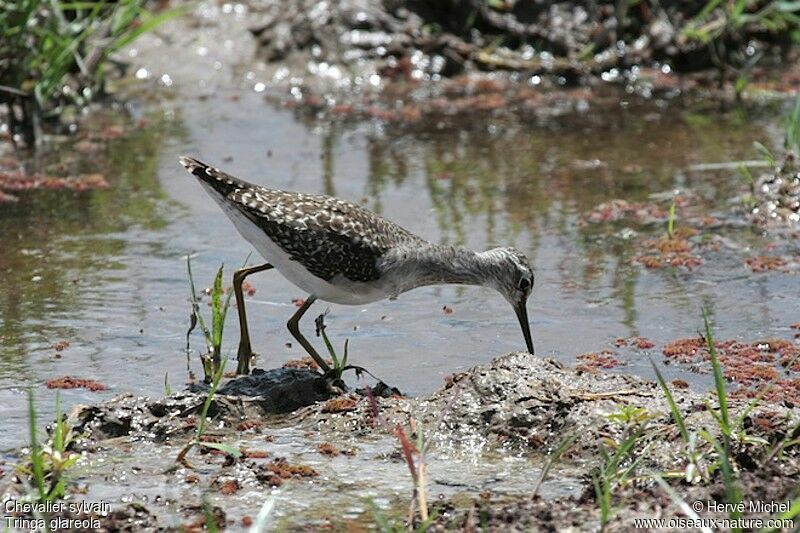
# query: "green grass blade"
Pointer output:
{"type": "Point", "coordinates": [37, 465]}
{"type": "Point", "coordinates": [765, 153]}
{"type": "Point", "coordinates": [225, 448]}
{"type": "Point", "coordinates": [147, 24]}
{"type": "Point", "coordinates": [260, 524]}
{"type": "Point", "coordinates": [58, 427]}
{"type": "Point", "coordinates": [792, 137]}
{"type": "Point", "coordinates": [201, 425]}
{"type": "Point", "coordinates": [719, 380]}
{"type": "Point", "coordinates": [671, 221]}
{"type": "Point", "coordinates": [216, 311]}
{"type": "Point", "coordinates": [562, 447]}
{"type": "Point", "coordinates": [790, 515]}
{"type": "Point", "coordinates": [680, 502]}
{"type": "Point", "coordinates": [379, 519]}
{"type": "Point", "coordinates": [732, 491]}
{"type": "Point", "coordinates": [676, 414]}
{"type": "Point", "coordinates": [208, 513]}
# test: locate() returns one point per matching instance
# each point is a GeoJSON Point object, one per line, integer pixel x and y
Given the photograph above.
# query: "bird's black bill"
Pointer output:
{"type": "Point", "coordinates": [522, 315]}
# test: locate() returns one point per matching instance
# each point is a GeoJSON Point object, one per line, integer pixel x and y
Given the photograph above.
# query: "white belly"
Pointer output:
{"type": "Point", "coordinates": [342, 291]}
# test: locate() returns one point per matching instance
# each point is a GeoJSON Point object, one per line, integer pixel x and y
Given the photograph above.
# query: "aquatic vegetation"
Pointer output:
{"type": "Point", "coordinates": [726, 28]}
{"type": "Point", "coordinates": [671, 251]}
{"type": "Point", "coordinates": [753, 365]}
{"type": "Point", "coordinates": [712, 453]}
{"type": "Point", "coordinates": [48, 464]}
{"type": "Point", "coordinates": [718, 454]}
{"type": "Point", "coordinates": [56, 53]}
{"type": "Point", "coordinates": [613, 472]}
{"type": "Point", "coordinates": [19, 181]}
{"type": "Point", "coordinates": [279, 470]}
{"type": "Point", "coordinates": [339, 363]}
{"type": "Point", "coordinates": [69, 382]}
{"type": "Point", "coordinates": [219, 310]}
{"type": "Point", "coordinates": [671, 221]}
{"type": "Point", "coordinates": [791, 139]}
{"type": "Point", "coordinates": [596, 360]}
{"type": "Point", "coordinates": [202, 424]}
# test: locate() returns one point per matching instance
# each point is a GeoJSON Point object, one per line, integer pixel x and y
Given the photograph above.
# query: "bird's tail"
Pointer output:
{"type": "Point", "coordinates": [219, 181]}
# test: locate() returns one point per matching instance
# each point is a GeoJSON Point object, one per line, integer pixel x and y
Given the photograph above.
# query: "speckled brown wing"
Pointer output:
{"type": "Point", "coordinates": [326, 235]}
{"type": "Point", "coordinates": [329, 237]}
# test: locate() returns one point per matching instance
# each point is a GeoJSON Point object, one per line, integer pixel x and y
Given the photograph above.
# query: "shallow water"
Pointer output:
{"type": "Point", "coordinates": [106, 270]}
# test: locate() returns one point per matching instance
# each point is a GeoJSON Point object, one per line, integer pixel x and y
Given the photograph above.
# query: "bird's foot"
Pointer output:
{"type": "Point", "coordinates": [334, 376]}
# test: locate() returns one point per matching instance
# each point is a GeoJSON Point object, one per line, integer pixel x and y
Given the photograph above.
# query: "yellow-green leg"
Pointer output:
{"type": "Point", "coordinates": [294, 328]}
{"type": "Point", "coordinates": [245, 350]}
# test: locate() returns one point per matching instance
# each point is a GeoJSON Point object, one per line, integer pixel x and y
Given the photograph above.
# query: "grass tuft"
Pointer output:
{"type": "Point", "coordinates": [48, 464]}
{"type": "Point", "coordinates": [203, 422]}
{"type": "Point", "coordinates": [56, 53]}
{"type": "Point", "coordinates": [219, 310]}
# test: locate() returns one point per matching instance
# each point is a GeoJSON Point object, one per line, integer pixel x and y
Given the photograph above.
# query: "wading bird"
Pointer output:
{"type": "Point", "coordinates": [340, 252]}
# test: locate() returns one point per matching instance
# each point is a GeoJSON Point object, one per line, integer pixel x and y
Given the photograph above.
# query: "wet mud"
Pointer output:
{"type": "Point", "coordinates": [518, 407]}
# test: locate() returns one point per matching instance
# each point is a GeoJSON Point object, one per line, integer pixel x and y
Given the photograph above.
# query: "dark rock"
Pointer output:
{"type": "Point", "coordinates": [280, 390]}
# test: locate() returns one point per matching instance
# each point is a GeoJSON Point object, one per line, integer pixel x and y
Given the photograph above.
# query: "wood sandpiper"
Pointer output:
{"type": "Point", "coordinates": [340, 252]}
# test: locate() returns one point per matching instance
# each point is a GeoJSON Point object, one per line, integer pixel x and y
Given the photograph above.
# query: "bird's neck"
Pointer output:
{"type": "Point", "coordinates": [436, 264]}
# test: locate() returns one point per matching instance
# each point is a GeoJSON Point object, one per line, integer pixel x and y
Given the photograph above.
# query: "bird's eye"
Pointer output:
{"type": "Point", "coordinates": [524, 284]}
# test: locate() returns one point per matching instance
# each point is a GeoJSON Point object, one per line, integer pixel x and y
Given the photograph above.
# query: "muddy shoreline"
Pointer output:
{"type": "Point", "coordinates": [518, 408]}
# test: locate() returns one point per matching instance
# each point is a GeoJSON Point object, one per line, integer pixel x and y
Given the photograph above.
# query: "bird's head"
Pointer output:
{"type": "Point", "coordinates": [512, 276]}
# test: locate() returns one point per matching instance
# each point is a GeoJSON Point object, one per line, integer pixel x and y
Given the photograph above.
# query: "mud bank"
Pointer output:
{"type": "Point", "coordinates": [492, 429]}
{"type": "Point", "coordinates": [568, 42]}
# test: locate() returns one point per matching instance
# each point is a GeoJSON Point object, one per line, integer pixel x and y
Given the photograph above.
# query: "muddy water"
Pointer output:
{"type": "Point", "coordinates": [105, 270]}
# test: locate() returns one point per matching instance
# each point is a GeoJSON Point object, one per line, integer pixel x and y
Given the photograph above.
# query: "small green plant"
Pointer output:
{"type": "Point", "coordinates": [671, 221]}
{"type": "Point", "coordinates": [726, 29]}
{"type": "Point", "coordinates": [791, 140]}
{"type": "Point", "coordinates": [48, 464]}
{"type": "Point", "coordinates": [628, 415]}
{"type": "Point", "coordinates": [562, 447]}
{"type": "Point", "coordinates": [616, 469]}
{"type": "Point", "coordinates": [208, 515]}
{"type": "Point", "coordinates": [732, 490]}
{"type": "Point", "coordinates": [788, 517]}
{"type": "Point", "coordinates": [203, 422]}
{"type": "Point", "coordinates": [339, 364]}
{"type": "Point", "coordinates": [219, 310]}
{"type": "Point", "coordinates": [765, 153]}
{"type": "Point", "coordinates": [54, 53]}
{"type": "Point", "coordinates": [673, 406]}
